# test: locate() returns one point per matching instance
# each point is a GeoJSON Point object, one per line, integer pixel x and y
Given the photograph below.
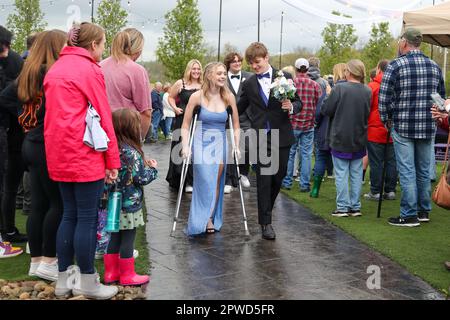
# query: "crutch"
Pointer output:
{"type": "Point", "coordinates": [235, 158]}
{"type": "Point", "coordinates": [383, 175]}
{"type": "Point", "coordinates": [184, 168]}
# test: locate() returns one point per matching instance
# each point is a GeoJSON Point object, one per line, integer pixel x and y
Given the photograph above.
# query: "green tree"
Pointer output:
{"type": "Point", "coordinates": [26, 19]}
{"type": "Point", "coordinates": [379, 46]}
{"type": "Point", "coordinates": [112, 17]}
{"type": "Point", "coordinates": [182, 40]}
{"type": "Point", "coordinates": [338, 43]}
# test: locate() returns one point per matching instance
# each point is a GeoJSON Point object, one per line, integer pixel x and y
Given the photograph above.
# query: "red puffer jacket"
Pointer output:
{"type": "Point", "coordinates": [376, 130]}
{"type": "Point", "coordinates": [74, 79]}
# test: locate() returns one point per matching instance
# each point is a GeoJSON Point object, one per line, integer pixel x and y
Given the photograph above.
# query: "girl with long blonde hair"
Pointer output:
{"type": "Point", "coordinates": [182, 90]}
{"type": "Point", "coordinates": [209, 148]}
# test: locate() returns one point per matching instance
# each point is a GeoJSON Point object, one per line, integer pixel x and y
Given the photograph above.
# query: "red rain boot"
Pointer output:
{"type": "Point", "coordinates": [112, 270]}
{"type": "Point", "coordinates": [127, 275]}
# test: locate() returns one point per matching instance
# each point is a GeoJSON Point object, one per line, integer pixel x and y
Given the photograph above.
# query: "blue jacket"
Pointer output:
{"type": "Point", "coordinates": [156, 101]}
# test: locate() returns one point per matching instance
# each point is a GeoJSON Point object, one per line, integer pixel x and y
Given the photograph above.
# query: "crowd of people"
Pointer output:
{"type": "Point", "coordinates": [76, 123]}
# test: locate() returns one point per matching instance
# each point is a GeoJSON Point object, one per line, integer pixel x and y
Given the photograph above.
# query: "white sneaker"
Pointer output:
{"type": "Point", "coordinates": [33, 267]}
{"type": "Point", "coordinates": [244, 181]}
{"type": "Point", "coordinates": [135, 253]}
{"type": "Point", "coordinates": [48, 271]}
{"type": "Point", "coordinates": [27, 248]}
{"type": "Point", "coordinates": [188, 189]}
{"type": "Point", "coordinates": [227, 189]}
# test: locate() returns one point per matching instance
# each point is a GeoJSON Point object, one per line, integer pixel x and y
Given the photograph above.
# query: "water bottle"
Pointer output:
{"type": "Point", "coordinates": [114, 209]}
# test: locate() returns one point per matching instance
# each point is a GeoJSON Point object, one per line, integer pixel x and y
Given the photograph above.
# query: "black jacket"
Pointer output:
{"type": "Point", "coordinates": [258, 113]}
{"type": "Point", "coordinates": [10, 68]}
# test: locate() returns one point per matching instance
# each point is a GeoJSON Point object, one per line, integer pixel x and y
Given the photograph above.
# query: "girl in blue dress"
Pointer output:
{"type": "Point", "coordinates": [209, 150]}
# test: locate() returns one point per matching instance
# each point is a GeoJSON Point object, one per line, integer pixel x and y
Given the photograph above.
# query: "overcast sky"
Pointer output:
{"type": "Point", "coordinates": [239, 19]}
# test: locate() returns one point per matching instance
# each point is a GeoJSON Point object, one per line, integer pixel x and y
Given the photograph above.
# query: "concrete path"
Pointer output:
{"type": "Point", "coordinates": [310, 259]}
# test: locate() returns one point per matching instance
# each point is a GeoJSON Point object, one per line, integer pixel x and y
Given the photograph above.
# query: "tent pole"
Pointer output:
{"type": "Point", "coordinates": [445, 64]}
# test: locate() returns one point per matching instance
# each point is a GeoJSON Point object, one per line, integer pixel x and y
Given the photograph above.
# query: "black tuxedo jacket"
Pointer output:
{"type": "Point", "coordinates": [253, 105]}
{"type": "Point", "coordinates": [243, 118]}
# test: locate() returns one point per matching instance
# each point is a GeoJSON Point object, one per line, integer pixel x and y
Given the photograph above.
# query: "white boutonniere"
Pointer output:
{"type": "Point", "coordinates": [243, 79]}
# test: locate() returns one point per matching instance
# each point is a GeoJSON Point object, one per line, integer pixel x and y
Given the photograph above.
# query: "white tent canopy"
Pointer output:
{"type": "Point", "coordinates": [433, 22]}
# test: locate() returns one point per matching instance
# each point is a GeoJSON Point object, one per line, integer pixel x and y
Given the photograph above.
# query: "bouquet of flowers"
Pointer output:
{"type": "Point", "coordinates": [283, 88]}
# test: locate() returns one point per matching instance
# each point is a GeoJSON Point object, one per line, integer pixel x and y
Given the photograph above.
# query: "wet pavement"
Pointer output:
{"type": "Point", "coordinates": [310, 259]}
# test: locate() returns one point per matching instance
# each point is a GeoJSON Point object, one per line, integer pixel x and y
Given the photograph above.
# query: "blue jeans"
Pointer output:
{"type": "Point", "coordinates": [166, 126]}
{"type": "Point", "coordinates": [433, 159]}
{"type": "Point", "coordinates": [344, 169]}
{"type": "Point", "coordinates": [304, 141]}
{"type": "Point", "coordinates": [376, 160]}
{"type": "Point", "coordinates": [413, 165]}
{"type": "Point", "coordinates": [156, 118]}
{"type": "Point", "coordinates": [77, 233]}
{"type": "Point", "coordinates": [323, 157]}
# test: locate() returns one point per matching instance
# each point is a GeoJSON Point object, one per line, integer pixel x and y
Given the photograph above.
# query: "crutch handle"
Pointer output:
{"type": "Point", "coordinates": [196, 110]}
{"type": "Point", "coordinates": [230, 111]}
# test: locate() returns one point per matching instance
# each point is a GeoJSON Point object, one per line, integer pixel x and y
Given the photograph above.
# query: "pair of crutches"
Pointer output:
{"type": "Point", "coordinates": [187, 160]}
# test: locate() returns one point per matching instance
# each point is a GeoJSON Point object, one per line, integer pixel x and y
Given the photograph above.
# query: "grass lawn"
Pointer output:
{"type": "Point", "coordinates": [17, 268]}
{"type": "Point", "coordinates": [422, 250]}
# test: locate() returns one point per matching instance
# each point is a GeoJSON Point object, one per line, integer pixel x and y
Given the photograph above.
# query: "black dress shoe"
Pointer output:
{"type": "Point", "coordinates": [267, 232]}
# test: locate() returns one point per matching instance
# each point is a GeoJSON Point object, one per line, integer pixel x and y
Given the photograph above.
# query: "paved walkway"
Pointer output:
{"type": "Point", "coordinates": [310, 259]}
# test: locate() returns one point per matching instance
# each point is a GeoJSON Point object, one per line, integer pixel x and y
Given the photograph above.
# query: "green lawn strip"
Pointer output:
{"type": "Point", "coordinates": [16, 268]}
{"type": "Point", "coordinates": [422, 251]}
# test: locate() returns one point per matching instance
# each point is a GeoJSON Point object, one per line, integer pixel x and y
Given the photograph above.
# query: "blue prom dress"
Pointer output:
{"type": "Point", "coordinates": [208, 152]}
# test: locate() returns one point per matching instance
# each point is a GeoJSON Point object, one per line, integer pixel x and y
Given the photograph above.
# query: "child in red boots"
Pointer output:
{"type": "Point", "coordinates": [135, 172]}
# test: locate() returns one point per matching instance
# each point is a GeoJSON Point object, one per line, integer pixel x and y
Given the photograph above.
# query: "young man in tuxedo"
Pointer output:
{"type": "Point", "coordinates": [270, 118]}
{"type": "Point", "coordinates": [236, 78]}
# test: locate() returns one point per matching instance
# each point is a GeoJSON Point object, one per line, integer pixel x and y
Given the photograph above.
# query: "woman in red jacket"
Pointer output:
{"type": "Point", "coordinates": [377, 147]}
{"type": "Point", "coordinates": [73, 81]}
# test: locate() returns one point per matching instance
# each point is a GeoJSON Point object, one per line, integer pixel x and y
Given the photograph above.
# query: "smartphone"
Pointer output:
{"type": "Point", "coordinates": [438, 101]}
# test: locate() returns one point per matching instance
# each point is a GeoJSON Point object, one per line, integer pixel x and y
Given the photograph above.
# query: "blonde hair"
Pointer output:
{"type": "Point", "coordinates": [127, 43]}
{"type": "Point", "coordinates": [82, 35]}
{"type": "Point", "coordinates": [339, 72]}
{"type": "Point", "coordinates": [289, 69]}
{"type": "Point", "coordinates": [357, 69]}
{"type": "Point", "coordinates": [187, 72]}
{"type": "Point", "coordinates": [207, 83]}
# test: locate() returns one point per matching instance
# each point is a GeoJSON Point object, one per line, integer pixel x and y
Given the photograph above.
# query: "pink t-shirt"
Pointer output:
{"type": "Point", "coordinates": [127, 85]}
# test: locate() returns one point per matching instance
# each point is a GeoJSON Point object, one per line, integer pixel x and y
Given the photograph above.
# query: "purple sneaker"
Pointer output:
{"type": "Point", "coordinates": [6, 250]}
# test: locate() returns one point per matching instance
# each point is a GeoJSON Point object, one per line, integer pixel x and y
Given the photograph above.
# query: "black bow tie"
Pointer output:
{"type": "Point", "coordinates": [264, 75]}
{"type": "Point", "coordinates": [235, 77]}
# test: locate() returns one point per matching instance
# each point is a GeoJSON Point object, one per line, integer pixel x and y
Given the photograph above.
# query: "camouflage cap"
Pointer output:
{"type": "Point", "coordinates": [413, 36]}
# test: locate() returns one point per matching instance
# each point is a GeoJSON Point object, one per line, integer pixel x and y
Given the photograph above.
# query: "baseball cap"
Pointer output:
{"type": "Point", "coordinates": [302, 62]}
{"type": "Point", "coordinates": [413, 36]}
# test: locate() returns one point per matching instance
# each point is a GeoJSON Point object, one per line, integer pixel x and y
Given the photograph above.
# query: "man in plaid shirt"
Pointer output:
{"type": "Point", "coordinates": [309, 92]}
{"type": "Point", "coordinates": [405, 100]}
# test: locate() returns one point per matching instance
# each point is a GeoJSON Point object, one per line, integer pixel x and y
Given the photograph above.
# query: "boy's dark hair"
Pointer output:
{"type": "Point", "coordinates": [5, 36]}
{"type": "Point", "coordinates": [382, 65]}
{"type": "Point", "coordinates": [303, 69]}
{"type": "Point", "coordinates": [373, 74]}
{"type": "Point", "coordinates": [229, 58]}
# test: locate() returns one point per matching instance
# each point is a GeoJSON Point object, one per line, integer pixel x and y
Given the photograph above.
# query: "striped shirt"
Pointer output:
{"type": "Point", "coordinates": [405, 93]}
{"type": "Point", "coordinates": [309, 92]}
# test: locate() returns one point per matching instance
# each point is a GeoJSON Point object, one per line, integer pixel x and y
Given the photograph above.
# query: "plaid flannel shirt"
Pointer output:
{"type": "Point", "coordinates": [405, 93]}
{"type": "Point", "coordinates": [309, 92]}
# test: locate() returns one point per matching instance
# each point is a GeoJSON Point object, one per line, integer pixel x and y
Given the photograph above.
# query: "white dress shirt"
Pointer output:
{"type": "Point", "coordinates": [266, 82]}
{"type": "Point", "coordinates": [234, 81]}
